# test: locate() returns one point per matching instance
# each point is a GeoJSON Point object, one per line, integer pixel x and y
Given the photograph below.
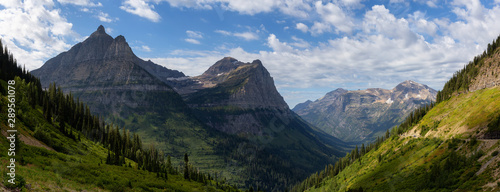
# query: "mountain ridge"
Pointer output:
{"type": "Point", "coordinates": [362, 115]}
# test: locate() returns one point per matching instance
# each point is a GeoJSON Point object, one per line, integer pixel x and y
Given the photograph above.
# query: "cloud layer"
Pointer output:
{"type": "Point", "coordinates": [36, 30]}
{"type": "Point", "coordinates": [383, 50]}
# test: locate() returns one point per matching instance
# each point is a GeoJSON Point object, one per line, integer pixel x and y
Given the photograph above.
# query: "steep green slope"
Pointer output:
{"type": "Point", "coordinates": [434, 162]}
{"type": "Point", "coordinates": [82, 165]}
{"type": "Point", "coordinates": [449, 146]}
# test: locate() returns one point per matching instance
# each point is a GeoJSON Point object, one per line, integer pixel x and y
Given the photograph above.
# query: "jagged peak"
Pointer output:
{"type": "Point", "coordinates": [257, 61]}
{"type": "Point", "coordinates": [120, 38]}
{"type": "Point", "coordinates": [101, 29]}
{"type": "Point", "coordinates": [99, 32]}
{"type": "Point", "coordinates": [409, 84]}
{"type": "Point", "coordinates": [228, 59]}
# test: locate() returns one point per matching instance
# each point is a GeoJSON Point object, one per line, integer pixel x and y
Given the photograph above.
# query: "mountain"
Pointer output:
{"type": "Point", "coordinates": [230, 120]}
{"type": "Point", "coordinates": [240, 99]}
{"type": "Point", "coordinates": [105, 73]}
{"type": "Point", "coordinates": [55, 144]}
{"type": "Point", "coordinates": [452, 145]}
{"type": "Point", "coordinates": [230, 85]}
{"type": "Point", "coordinates": [361, 116]}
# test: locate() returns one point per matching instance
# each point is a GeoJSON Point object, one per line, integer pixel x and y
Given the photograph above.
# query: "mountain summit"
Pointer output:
{"type": "Point", "coordinates": [359, 116]}
{"type": "Point", "coordinates": [106, 74]}
{"type": "Point", "coordinates": [232, 82]}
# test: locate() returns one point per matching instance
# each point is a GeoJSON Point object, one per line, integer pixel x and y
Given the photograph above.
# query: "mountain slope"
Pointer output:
{"type": "Point", "coordinates": [450, 146]}
{"type": "Point", "coordinates": [241, 99]}
{"type": "Point", "coordinates": [361, 116]}
{"type": "Point", "coordinates": [55, 151]}
{"type": "Point", "coordinates": [233, 123]}
{"type": "Point", "coordinates": [448, 156]}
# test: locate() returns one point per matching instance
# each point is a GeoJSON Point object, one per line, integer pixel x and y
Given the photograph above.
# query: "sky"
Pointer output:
{"type": "Point", "coordinates": [310, 47]}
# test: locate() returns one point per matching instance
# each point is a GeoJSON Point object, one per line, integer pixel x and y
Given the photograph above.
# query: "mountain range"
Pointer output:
{"type": "Point", "coordinates": [361, 116]}
{"type": "Point", "coordinates": [231, 120]}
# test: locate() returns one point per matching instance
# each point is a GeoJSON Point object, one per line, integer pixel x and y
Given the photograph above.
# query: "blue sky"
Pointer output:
{"type": "Point", "coordinates": [310, 47]}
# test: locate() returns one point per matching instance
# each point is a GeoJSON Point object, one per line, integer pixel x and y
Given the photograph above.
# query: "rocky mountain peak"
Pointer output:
{"type": "Point", "coordinates": [119, 48]}
{"type": "Point", "coordinates": [334, 93]}
{"type": "Point", "coordinates": [101, 29]}
{"type": "Point", "coordinates": [100, 32]}
{"type": "Point", "coordinates": [411, 89]}
{"type": "Point", "coordinates": [258, 62]}
{"type": "Point", "coordinates": [246, 85]}
{"type": "Point", "coordinates": [222, 66]}
{"type": "Point", "coordinates": [98, 56]}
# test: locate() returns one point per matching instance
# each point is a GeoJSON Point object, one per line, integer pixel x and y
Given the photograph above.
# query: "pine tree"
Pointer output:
{"type": "Point", "coordinates": [186, 168]}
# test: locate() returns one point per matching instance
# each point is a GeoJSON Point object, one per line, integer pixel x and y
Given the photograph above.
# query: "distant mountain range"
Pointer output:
{"type": "Point", "coordinates": [231, 119]}
{"type": "Point", "coordinates": [360, 116]}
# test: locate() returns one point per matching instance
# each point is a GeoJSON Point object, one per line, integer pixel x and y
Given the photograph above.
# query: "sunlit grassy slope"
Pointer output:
{"type": "Point", "coordinates": [74, 165]}
{"type": "Point", "coordinates": [443, 152]}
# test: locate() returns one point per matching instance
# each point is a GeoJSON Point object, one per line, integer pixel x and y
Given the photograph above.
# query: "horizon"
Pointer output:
{"type": "Point", "coordinates": [310, 48]}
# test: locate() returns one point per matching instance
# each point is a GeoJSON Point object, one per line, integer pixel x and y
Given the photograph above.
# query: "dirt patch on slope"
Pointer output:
{"type": "Point", "coordinates": [28, 140]}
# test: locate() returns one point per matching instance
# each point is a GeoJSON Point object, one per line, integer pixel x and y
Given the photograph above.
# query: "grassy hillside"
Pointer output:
{"type": "Point", "coordinates": [76, 165]}
{"type": "Point", "coordinates": [440, 153]}
{"type": "Point", "coordinates": [449, 146]}
{"type": "Point", "coordinates": [60, 146]}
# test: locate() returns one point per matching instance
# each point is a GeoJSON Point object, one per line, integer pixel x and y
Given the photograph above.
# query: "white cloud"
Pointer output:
{"type": "Point", "coordinates": [332, 16]}
{"type": "Point", "coordinates": [432, 3]}
{"type": "Point", "coordinates": [194, 34]}
{"type": "Point", "coordinates": [192, 41]}
{"type": "Point", "coordinates": [296, 8]}
{"type": "Point", "coordinates": [300, 43]}
{"type": "Point", "coordinates": [141, 8]}
{"type": "Point", "coordinates": [104, 17]}
{"type": "Point", "coordinates": [36, 31]}
{"type": "Point", "coordinates": [302, 27]}
{"type": "Point", "coordinates": [223, 32]}
{"type": "Point", "coordinates": [143, 48]}
{"type": "Point", "coordinates": [422, 26]}
{"type": "Point", "coordinates": [278, 46]}
{"type": "Point", "coordinates": [381, 22]}
{"type": "Point", "coordinates": [85, 3]}
{"type": "Point", "coordinates": [248, 36]}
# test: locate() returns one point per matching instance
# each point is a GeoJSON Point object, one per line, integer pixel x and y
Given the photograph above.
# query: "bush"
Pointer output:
{"type": "Point", "coordinates": [42, 136]}
{"type": "Point", "coordinates": [20, 182]}
{"type": "Point", "coordinates": [495, 153]}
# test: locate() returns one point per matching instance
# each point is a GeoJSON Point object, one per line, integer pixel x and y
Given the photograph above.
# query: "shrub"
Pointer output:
{"type": "Point", "coordinates": [495, 153]}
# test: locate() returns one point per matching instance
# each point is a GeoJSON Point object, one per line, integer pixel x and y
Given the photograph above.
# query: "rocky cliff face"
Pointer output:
{"type": "Point", "coordinates": [245, 91]}
{"type": "Point", "coordinates": [245, 85]}
{"type": "Point", "coordinates": [106, 74]}
{"type": "Point", "coordinates": [489, 74]}
{"type": "Point", "coordinates": [359, 116]}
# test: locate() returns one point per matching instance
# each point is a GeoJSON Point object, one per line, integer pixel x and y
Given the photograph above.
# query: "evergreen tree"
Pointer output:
{"type": "Point", "coordinates": [186, 167]}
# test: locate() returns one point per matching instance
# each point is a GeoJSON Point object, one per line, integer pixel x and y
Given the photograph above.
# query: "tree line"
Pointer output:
{"type": "Point", "coordinates": [462, 79]}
